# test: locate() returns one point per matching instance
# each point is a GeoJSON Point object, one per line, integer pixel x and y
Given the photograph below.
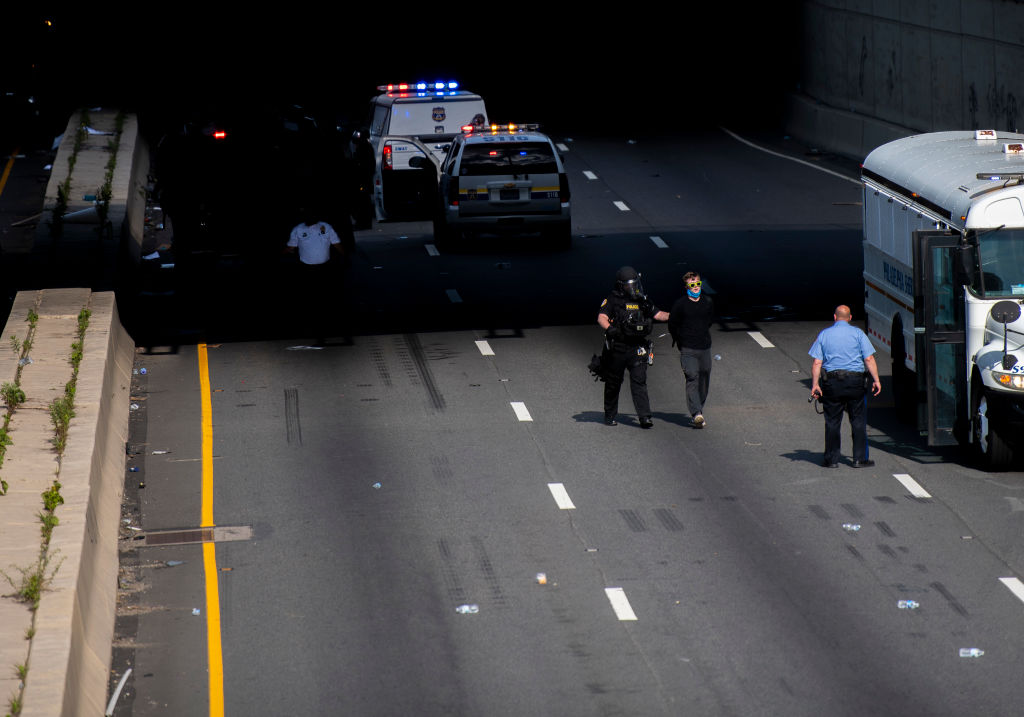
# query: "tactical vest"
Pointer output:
{"type": "Point", "coordinates": [634, 322]}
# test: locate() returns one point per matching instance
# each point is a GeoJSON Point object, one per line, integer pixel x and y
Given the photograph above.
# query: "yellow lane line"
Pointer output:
{"type": "Point", "coordinates": [7, 170]}
{"type": "Point", "coordinates": [214, 652]}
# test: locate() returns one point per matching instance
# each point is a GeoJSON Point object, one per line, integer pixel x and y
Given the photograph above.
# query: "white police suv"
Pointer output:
{"type": "Point", "coordinates": [415, 120]}
{"type": "Point", "coordinates": [503, 179]}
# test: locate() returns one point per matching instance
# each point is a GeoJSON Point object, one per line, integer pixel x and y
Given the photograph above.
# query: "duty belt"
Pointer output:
{"type": "Point", "coordinates": [839, 373]}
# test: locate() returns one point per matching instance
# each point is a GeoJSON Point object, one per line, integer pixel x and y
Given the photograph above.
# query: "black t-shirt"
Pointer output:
{"type": "Point", "coordinates": [689, 322]}
{"type": "Point", "coordinates": [623, 312]}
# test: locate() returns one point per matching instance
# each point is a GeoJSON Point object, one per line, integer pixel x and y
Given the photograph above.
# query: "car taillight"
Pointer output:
{"type": "Point", "coordinates": [453, 191]}
{"type": "Point", "coordinates": [563, 187]}
{"type": "Point", "coordinates": [385, 159]}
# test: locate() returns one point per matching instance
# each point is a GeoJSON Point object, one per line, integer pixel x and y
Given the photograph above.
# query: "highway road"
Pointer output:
{"type": "Point", "coordinates": [446, 449]}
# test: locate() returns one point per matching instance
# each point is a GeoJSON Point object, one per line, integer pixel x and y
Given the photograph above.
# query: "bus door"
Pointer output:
{"type": "Point", "coordinates": [940, 335]}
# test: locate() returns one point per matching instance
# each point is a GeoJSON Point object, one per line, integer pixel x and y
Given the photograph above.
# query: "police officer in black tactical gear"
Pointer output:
{"type": "Point", "coordinates": [627, 317]}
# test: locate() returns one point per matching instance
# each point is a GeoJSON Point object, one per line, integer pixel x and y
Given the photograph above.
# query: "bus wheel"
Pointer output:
{"type": "Point", "coordinates": [990, 450]}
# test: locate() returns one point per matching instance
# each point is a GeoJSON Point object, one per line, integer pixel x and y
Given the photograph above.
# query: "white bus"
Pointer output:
{"type": "Point", "coordinates": [944, 283]}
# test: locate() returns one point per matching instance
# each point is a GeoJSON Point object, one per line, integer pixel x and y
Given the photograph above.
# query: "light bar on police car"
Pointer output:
{"type": "Point", "coordinates": [439, 85]}
{"type": "Point", "coordinates": [495, 128]}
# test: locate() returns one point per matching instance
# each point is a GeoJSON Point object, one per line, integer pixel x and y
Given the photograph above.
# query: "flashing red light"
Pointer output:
{"type": "Point", "coordinates": [220, 134]}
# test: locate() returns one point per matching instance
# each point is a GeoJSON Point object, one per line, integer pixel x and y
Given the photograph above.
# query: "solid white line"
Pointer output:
{"type": "Point", "coordinates": [588, 174]}
{"type": "Point", "coordinates": [453, 296]}
{"type": "Point", "coordinates": [912, 485]}
{"type": "Point", "coordinates": [760, 339]}
{"type": "Point", "coordinates": [485, 348]}
{"type": "Point", "coordinates": [561, 496]}
{"type": "Point", "coordinates": [617, 597]}
{"type": "Point", "coordinates": [432, 250]}
{"type": "Point", "coordinates": [621, 205]}
{"type": "Point", "coordinates": [786, 156]}
{"type": "Point", "coordinates": [659, 242]}
{"type": "Point", "coordinates": [1015, 585]}
{"type": "Point", "coordinates": [521, 413]}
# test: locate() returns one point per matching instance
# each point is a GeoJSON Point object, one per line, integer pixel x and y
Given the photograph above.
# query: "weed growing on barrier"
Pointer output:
{"type": "Point", "coordinates": [14, 704]}
{"type": "Point", "coordinates": [51, 499]}
{"type": "Point", "coordinates": [31, 581]}
{"type": "Point", "coordinates": [62, 409]}
{"type": "Point", "coordinates": [106, 191]}
{"type": "Point", "coordinates": [11, 392]}
{"type": "Point", "coordinates": [60, 208]}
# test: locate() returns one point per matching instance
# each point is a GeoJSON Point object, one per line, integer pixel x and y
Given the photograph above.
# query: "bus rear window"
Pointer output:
{"type": "Point", "coordinates": [508, 158]}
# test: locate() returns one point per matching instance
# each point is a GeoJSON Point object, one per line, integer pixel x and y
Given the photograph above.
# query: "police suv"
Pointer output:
{"type": "Point", "coordinates": [415, 120]}
{"type": "Point", "coordinates": [503, 179]}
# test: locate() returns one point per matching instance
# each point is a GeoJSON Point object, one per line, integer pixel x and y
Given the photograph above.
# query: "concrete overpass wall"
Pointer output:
{"type": "Point", "coordinates": [886, 68]}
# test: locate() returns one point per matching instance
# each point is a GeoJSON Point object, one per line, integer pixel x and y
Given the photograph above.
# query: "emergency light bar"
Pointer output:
{"type": "Point", "coordinates": [437, 86]}
{"type": "Point", "coordinates": [495, 128]}
{"type": "Point", "coordinates": [1002, 176]}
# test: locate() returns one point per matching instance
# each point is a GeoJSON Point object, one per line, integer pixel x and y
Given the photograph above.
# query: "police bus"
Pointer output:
{"type": "Point", "coordinates": [944, 283]}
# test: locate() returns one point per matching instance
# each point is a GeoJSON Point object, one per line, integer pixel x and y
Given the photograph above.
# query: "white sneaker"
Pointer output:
{"type": "Point", "coordinates": [698, 421]}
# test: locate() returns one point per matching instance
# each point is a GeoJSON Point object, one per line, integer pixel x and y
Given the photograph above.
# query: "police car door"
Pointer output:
{"type": "Point", "coordinates": [401, 182]}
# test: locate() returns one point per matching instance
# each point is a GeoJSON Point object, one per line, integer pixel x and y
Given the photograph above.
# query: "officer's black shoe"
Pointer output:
{"type": "Point", "coordinates": [610, 421]}
{"type": "Point", "coordinates": [828, 464]}
{"type": "Point", "coordinates": [863, 464]}
{"type": "Point", "coordinates": [646, 422]}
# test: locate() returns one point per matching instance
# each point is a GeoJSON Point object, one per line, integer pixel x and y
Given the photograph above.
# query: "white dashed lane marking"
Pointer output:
{"type": "Point", "coordinates": [521, 413]}
{"type": "Point", "coordinates": [659, 242]}
{"type": "Point", "coordinates": [453, 296]}
{"type": "Point", "coordinates": [485, 348]}
{"type": "Point", "coordinates": [1015, 585]}
{"type": "Point", "coordinates": [760, 339]}
{"type": "Point", "coordinates": [561, 496]}
{"type": "Point", "coordinates": [562, 147]}
{"type": "Point", "coordinates": [620, 603]}
{"type": "Point", "coordinates": [621, 205]}
{"type": "Point", "coordinates": [912, 485]}
{"type": "Point", "coordinates": [431, 250]}
{"type": "Point", "coordinates": [588, 174]}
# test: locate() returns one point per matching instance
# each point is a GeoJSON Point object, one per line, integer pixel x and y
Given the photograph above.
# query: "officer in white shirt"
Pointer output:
{"type": "Point", "coordinates": [316, 276]}
{"type": "Point", "coordinates": [314, 241]}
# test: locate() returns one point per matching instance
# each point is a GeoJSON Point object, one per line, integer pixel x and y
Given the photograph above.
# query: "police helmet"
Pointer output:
{"type": "Point", "coordinates": [627, 280]}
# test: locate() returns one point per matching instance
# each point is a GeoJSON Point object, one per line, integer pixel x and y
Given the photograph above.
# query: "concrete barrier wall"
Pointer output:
{"type": "Point", "coordinates": [126, 212]}
{"type": "Point", "coordinates": [872, 65]}
{"type": "Point", "coordinates": [74, 624]}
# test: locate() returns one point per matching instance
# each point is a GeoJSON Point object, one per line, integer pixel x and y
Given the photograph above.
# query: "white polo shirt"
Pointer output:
{"type": "Point", "coordinates": [314, 242]}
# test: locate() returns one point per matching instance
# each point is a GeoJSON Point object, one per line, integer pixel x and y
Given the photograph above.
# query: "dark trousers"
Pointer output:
{"type": "Point", "coordinates": [617, 361]}
{"type": "Point", "coordinates": [845, 393]}
{"type": "Point", "coordinates": [315, 288]}
{"type": "Point", "coordinates": [696, 365]}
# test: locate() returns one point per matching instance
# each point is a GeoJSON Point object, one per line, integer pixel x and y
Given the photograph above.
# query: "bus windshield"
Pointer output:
{"type": "Point", "coordinates": [1001, 253]}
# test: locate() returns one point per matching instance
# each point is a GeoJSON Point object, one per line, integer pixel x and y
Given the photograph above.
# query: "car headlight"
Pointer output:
{"type": "Point", "coordinates": [1009, 380]}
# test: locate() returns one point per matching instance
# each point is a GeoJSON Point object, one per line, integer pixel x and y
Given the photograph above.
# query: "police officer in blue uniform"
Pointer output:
{"type": "Point", "coordinates": [843, 361]}
{"type": "Point", "coordinates": [627, 317]}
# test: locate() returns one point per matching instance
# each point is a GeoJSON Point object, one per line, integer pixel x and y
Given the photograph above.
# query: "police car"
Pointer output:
{"type": "Point", "coordinates": [503, 179]}
{"type": "Point", "coordinates": [415, 120]}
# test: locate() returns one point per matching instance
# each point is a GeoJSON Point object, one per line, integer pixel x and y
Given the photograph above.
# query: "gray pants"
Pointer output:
{"type": "Point", "coordinates": [696, 365]}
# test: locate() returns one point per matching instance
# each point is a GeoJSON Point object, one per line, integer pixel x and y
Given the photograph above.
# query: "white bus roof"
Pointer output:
{"type": "Point", "coordinates": [938, 170]}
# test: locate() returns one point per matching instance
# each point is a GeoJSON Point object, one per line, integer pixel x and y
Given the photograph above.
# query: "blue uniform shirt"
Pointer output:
{"type": "Point", "coordinates": [842, 347]}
